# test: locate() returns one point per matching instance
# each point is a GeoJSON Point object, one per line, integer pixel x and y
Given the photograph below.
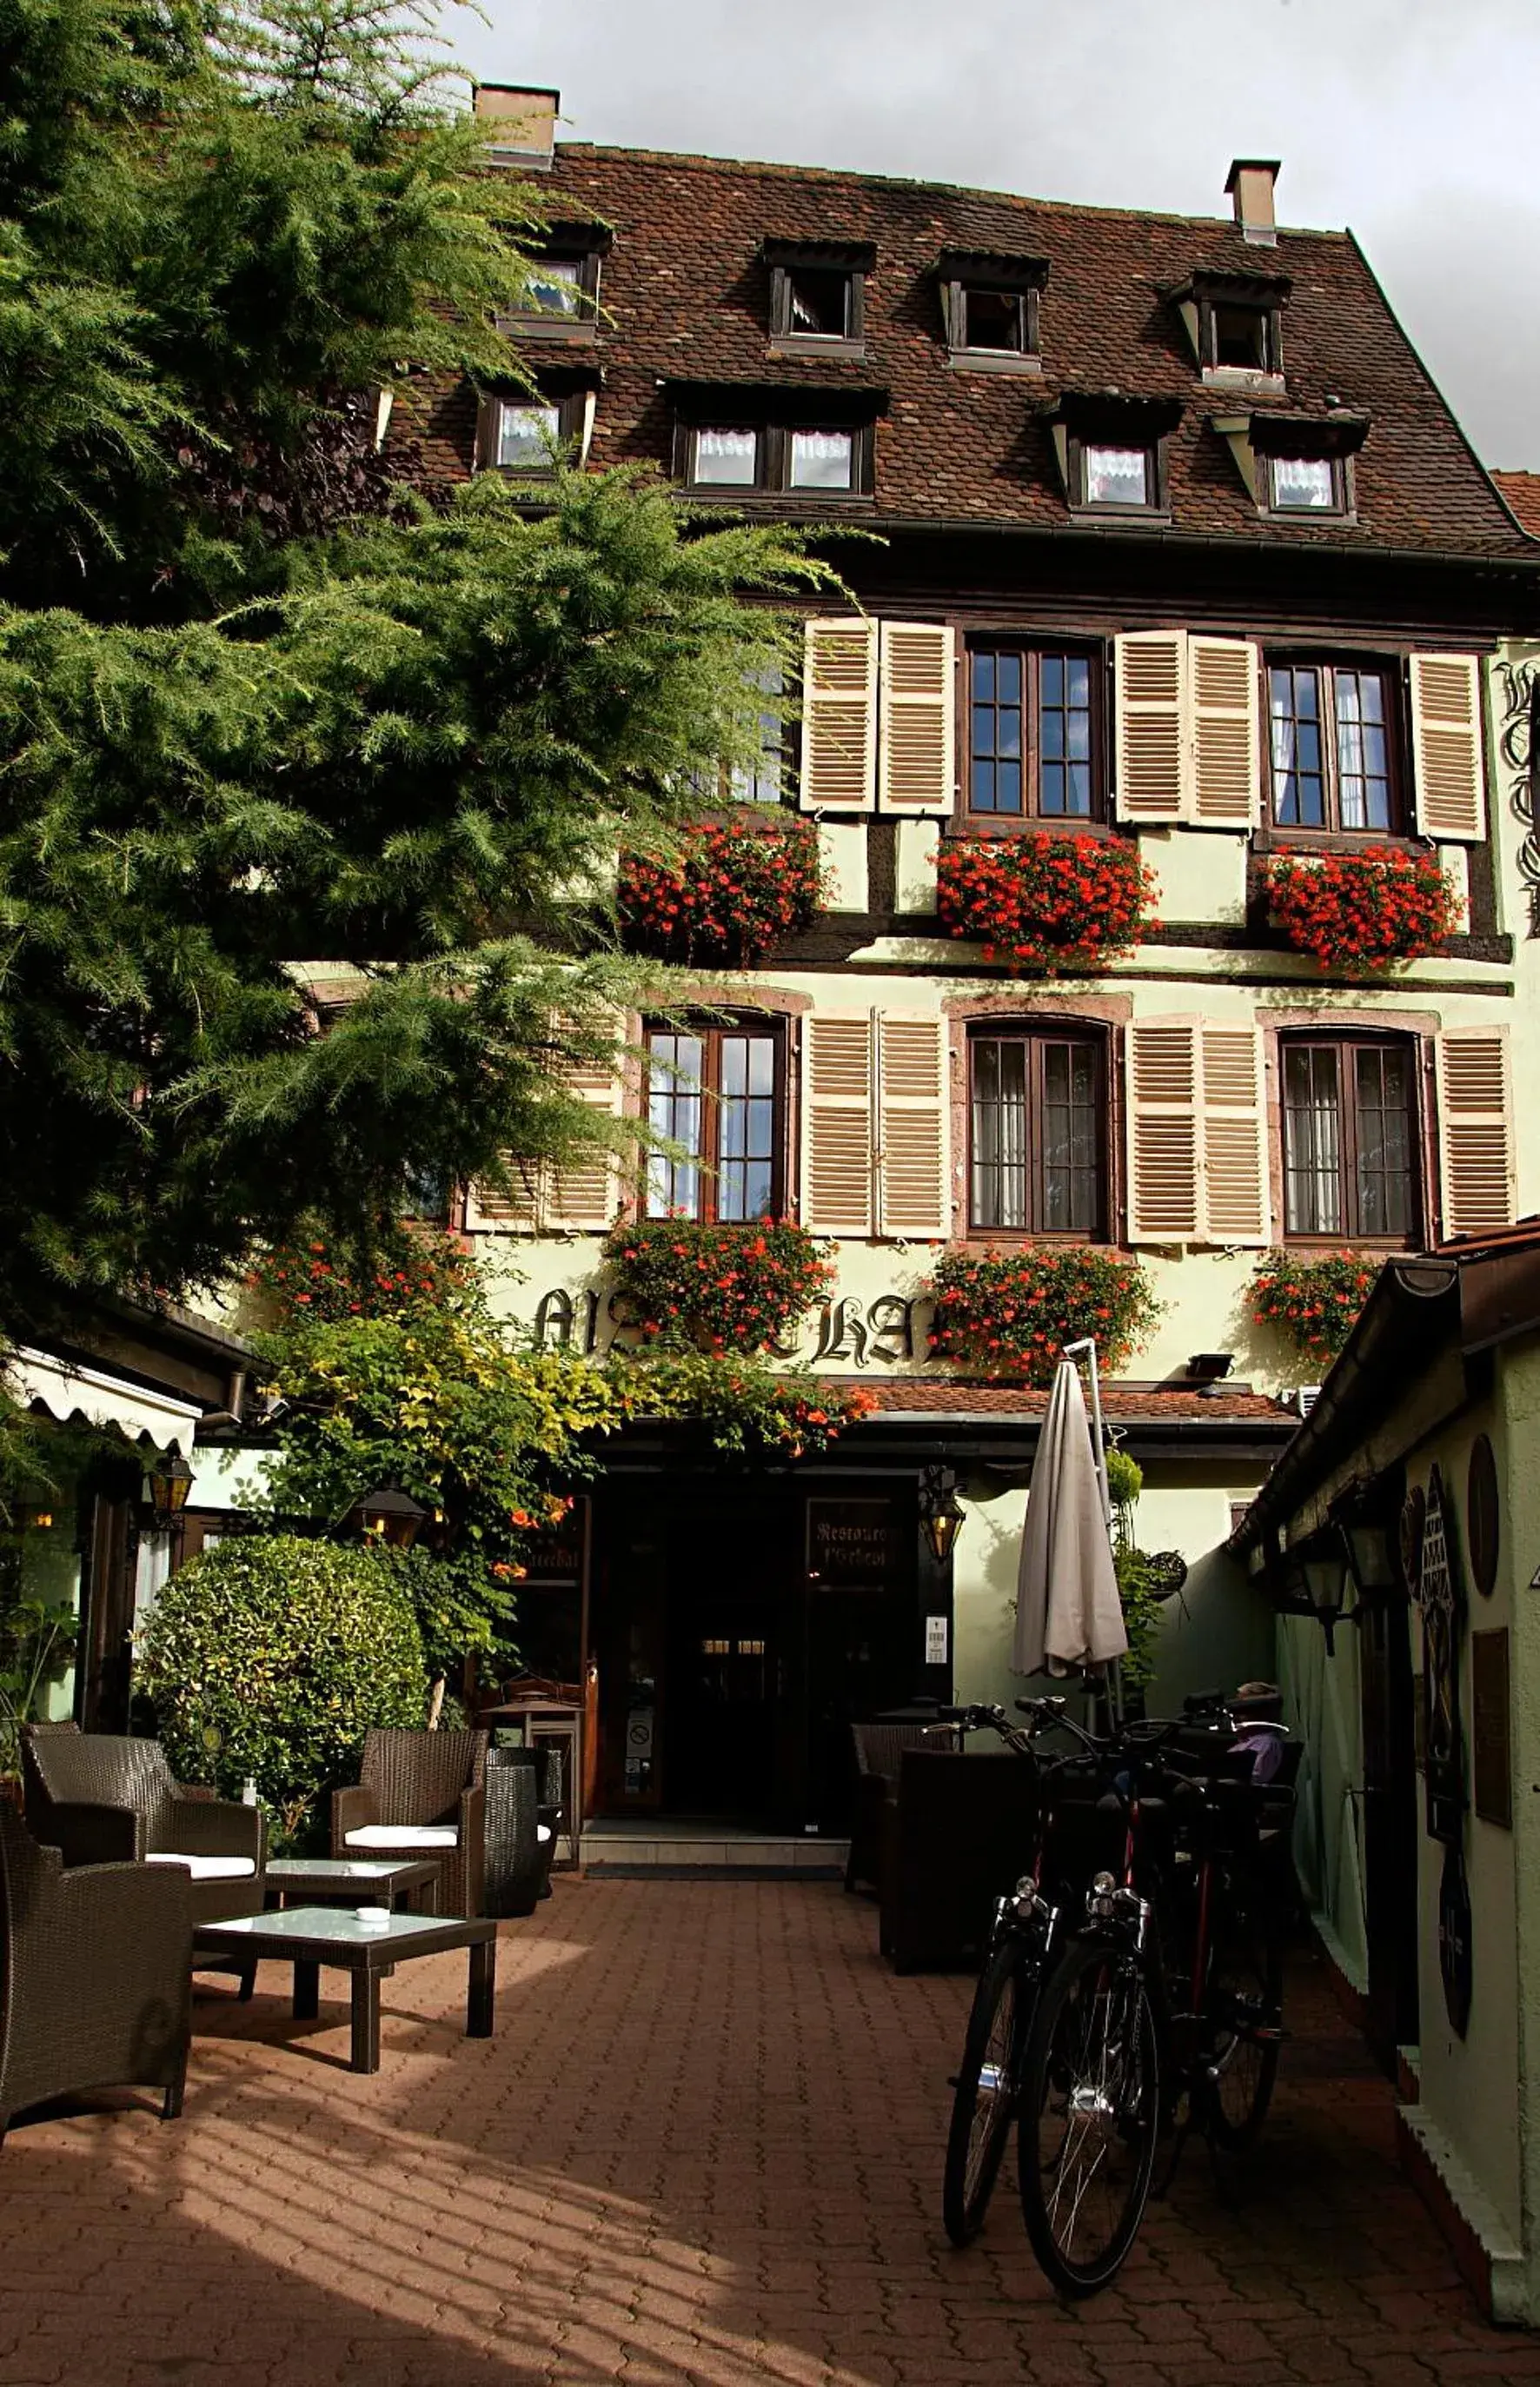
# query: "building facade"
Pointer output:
{"type": "Point", "coordinates": [1171, 545]}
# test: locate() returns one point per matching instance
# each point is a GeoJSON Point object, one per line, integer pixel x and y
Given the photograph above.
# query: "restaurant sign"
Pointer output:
{"type": "Point", "coordinates": [853, 1544]}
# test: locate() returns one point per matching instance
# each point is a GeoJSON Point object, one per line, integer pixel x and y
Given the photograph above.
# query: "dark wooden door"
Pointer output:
{"type": "Point", "coordinates": [861, 1633]}
{"type": "Point", "coordinates": [105, 1664]}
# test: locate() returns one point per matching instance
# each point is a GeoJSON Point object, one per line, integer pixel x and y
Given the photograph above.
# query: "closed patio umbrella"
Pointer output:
{"type": "Point", "coordinates": [1067, 1611]}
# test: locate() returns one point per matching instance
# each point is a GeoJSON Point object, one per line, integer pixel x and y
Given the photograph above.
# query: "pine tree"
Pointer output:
{"type": "Point", "coordinates": [299, 775]}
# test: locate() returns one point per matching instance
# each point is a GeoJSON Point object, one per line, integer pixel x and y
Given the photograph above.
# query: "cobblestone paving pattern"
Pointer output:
{"type": "Point", "coordinates": [703, 2146]}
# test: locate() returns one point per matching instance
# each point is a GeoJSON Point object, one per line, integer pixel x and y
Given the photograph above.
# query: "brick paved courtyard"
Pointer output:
{"type": "Point", "coordinates": [704, 2145]}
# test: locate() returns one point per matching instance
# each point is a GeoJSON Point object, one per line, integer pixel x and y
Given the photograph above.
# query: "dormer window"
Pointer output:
{"type": "Point", "coordinates": [1112, 451]}
{"type": "Point", "coordinates": [561, 298]}
{"type": "Point", "coordinates": [989, 309]}
{"type": "Point", "coordinates": [522, 431]}
{"type": "Point", "coordinates": [525, 436]}
{"type": "Point", "coordinates": [773, 440]}
{"type": "Point", "coordinates": [1235, 323]}
{"type": "Point", "coordinates": [817, 297]}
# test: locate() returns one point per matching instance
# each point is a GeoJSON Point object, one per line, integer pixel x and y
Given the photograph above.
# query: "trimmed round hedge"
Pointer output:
{"type": "Point", "coordinates": [268, 1655]}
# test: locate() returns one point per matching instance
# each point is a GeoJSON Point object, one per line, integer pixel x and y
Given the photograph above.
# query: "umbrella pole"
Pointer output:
{"type": "Point", "coordinates": [1087, 1350]}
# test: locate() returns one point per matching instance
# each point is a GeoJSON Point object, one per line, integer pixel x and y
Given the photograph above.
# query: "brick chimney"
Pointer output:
{"type": "Point", "coordinates": [1251, 188]}
{"type": "Point", "coordinates": [522, 127]}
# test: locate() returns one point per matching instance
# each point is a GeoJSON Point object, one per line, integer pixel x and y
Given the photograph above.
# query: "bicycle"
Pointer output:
{"type": "Point", "coordinates": [1111, 2053]}
{"type": "Point", "coordinates": [1023, 1941]}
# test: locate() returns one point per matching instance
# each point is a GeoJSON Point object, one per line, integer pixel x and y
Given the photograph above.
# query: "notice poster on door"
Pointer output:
{"type": "Point", "coordinates": [853, 1544]}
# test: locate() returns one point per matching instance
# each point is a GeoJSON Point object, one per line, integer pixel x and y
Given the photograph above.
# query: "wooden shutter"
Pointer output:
{"type": "Point", "coordinates": [1165, 1196]}
{"type": "Point", "coordinates": [837, 1140]}
{"type": "Point", "coordinates": [1475, 1131]}
{"type": "Point", "coordinates": [510, 1214]}
{"type": "Point", "coordinates": [1222, 689]}
{"type": "Point", "coordinates": [916, 768]}
{"type": "Point", "coordinates": [582, 1197]}
{"type": "Point", "coordinates": [1233, 1150]}
{"type": "Point", "coordinates": [913, 1179]}
{"type": "Point", "coordinates": [840, 716]}
{"type": "Point", "coordinates": [1151, 712]}
{"type": "Point", "coordinates": [1446, 748]}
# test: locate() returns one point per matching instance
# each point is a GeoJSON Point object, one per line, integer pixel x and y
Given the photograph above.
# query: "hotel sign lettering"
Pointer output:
{"type": "Point", "coordinates": [853, 1545]}
{"type": "Point", "coordinates": [588, 1320]}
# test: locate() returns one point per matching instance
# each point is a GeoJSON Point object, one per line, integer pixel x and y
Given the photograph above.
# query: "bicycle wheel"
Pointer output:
{"type": "Point", "coordinates": [987, 2085]}
{"type": "Point", "coordinates": [1242, 2014]}
{"type": "Point", "coordinates": [1089, 2116]}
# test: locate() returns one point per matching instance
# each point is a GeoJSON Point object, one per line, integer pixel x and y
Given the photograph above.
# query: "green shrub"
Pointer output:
{"type": "Point", "coordinates": [268, 1655]}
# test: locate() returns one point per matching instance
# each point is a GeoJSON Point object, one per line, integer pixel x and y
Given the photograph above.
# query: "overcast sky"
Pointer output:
{"type": "Point", "coordinates": [1411, 120]}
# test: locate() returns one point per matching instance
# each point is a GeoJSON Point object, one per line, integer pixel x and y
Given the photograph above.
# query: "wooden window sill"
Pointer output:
{"type": "Point", "coordinates": [563, 335]}
{"type": "Point", "coordinates": [993, 361]}
{"type": "Point", "coordinates": [817, 344]}
{"type": "Point", "coordinates": [964, 824]}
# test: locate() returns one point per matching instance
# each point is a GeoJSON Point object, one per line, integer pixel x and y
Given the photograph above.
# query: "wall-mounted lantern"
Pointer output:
{"type": "Point", "coordinates": [387, 1515]}
{"type": "Point", "coordinates": [169, 1479]}
{"type": "Point", "coordinates": [941, 1511]}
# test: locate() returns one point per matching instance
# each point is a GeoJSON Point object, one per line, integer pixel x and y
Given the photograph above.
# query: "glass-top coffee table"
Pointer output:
{"type": "Point", "coordinates": [310, 1937]}
{"type": "Point", "coordinates": [353, 1881]}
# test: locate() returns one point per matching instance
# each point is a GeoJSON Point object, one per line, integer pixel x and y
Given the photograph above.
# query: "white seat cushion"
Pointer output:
{"type": "Point", "coordinates": [542, 1831]}
{"type": "Point", "coordinates": [403, 1835]}
{"type": "Point", "coordinates": [207, 1868]}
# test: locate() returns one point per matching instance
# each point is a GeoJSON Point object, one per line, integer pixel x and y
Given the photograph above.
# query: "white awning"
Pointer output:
{"type": "Point", "coordinates": [39, 1381]}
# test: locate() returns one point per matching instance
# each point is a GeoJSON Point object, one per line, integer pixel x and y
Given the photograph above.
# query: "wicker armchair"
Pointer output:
{"type": "Point", "coordinates": [878, 1747]}
{"type": "Point", "coordinates": [523, 1815]}
{"type": "Point", "coordinates": [100, 1798]}
{"type": "Point", "coordinates": [95, 1974]}
{"type": "Point", "coordinates": [421, 1797]}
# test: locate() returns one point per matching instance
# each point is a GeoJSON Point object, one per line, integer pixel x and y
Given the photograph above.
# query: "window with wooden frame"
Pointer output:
{"type": "Point", "coordinates": [1333, 751]}
{"type": "Point", "coordinates": [1239, 336]}
{"type": "Point", "coordinates": [817, 295]}
{"type": "Point", "coordinates": [561, 301]}
{"type": "Point", "coordinates": [521, 434]}
{"type": "Point", "coordinates": [766, 779]}
{"type": "Point", "coordinates": [1037, 1131]}
{"type": "Point", "coordinates": [1117, 477]}
{"type": "Point", "coordinates": [1036, 744]}
{"type": "Point", "coordinates": [717, 1095]}
{"type": "Point", "coordinates": [1304, 484]}
{"type": "Point", "coordinates": [990, 307]}
{"type": "Point", "coordinates": [1350, 1139]}
{"type": "Point", "coordinates": [829, 459]}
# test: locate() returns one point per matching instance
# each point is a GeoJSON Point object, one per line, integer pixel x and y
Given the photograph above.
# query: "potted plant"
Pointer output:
{"type": "Point", "coordinates": [1314, 1302]}
{"type": "Point", "coordinates": [1011, 1313]}
{"type": "Point", "coordinates": [1364, 911]}
{"type": "Point", "coordinates": [734, 889]}
{"type": "Point", "coordinates": [37, 1642]}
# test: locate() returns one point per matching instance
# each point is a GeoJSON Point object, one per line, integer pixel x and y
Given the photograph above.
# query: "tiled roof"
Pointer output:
{"type": "Point", "coordinates": [1523, 492]}
{"type": "Point", "coordinates": [686, 289]}
{"type": "Point", "coordinates": [1147, 1405]}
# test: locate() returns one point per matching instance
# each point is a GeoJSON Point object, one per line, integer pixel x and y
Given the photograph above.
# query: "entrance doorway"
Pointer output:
{"type": "Point", "coordinates": [739, 1629]}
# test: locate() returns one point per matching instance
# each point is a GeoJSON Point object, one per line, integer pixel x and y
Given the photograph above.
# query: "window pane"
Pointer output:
{"type": "Point", "coordinates": [726, 458]}
{"type": "Point", "coordinates": [1000, 1133]}
{"type": "Point", "coordinates": [1304, 483]}
{"type": "Point", "coordinates": [1117, 476]}
{"type": "Point", "coordinates": [1312, 1141]}
{"type": "Point", "coordinates": [823, 459]}
{"type": "Point", "coordinates": [1064, 736]}
{"type": "Point", "coordinates": [760, 783]}
{"type": "Point", "coordinates": [1069, 1189]}
{"type": "Point", "coordinates": [994, 767]}
{"type": "Point", "coordinates": [1241, 337]}
{"type": "Point", "coordinates": [525, 434]}
{"type": "Point", "coordinates": [820, 301]}
{"type": "Point", "coordinates": [1383, 1082]}
{"type": "Point", "coordinates": [1363, 756]}
{"type": "Point", "coordinates": [994, 319]}
{"type": "Point", "coordinates": [746, 1115]}
{"type": "Point", "coordinates": [675, 1109]}
{"type": "Point", "coordinates": [556, 285]}
{"type": "Point", "coordinates": [1298, 774]}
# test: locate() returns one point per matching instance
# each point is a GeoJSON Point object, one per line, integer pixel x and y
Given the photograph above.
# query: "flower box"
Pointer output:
{"type": "Point", "coordinates": [1011, 1313]}
{"type": "Point", "coordinates": [1360, 911]}
{"type": "Point", "coordinates": [718, 1288]}
{"type": "Point", "coordinates": [734, 889]}
{"type": "Point", "coordinates": [1314, 1302]}
{"type": "Point", "coordinates": [1043, 902]}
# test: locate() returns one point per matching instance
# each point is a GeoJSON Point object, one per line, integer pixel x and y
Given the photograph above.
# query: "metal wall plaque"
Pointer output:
{"type": "Point", "coordinates": [1482, 1532]}
{"type": "Point", "coordinates": [1491, 1757]}
{"type": "Point", "coordinates": [1442, 1629]}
